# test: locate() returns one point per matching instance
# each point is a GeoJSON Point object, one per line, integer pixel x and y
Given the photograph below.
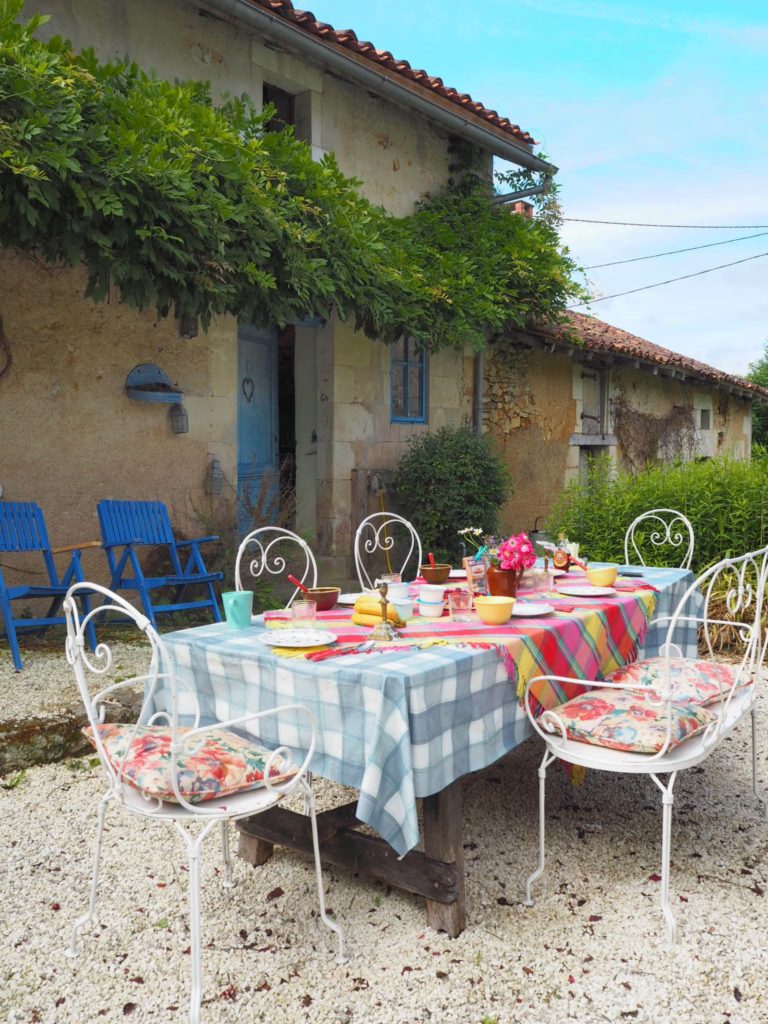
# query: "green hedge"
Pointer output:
{"type": "Point", "coordinates": [726, 501]}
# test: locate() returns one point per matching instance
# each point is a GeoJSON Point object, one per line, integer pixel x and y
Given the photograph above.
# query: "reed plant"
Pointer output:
{"type": "Point", "coordinates": [726, 501]}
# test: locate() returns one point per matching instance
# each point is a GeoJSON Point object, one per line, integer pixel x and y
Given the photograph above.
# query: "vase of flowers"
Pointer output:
{"type": "Point", "coordinates": [508, 561]}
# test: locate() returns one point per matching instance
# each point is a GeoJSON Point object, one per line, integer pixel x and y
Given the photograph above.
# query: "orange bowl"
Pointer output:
{"type": "Point", "coordinates": [324, 597]}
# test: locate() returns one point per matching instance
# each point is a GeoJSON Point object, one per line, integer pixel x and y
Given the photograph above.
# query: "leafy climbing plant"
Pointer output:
{"type": "Point", "coordinates": [190, 208]}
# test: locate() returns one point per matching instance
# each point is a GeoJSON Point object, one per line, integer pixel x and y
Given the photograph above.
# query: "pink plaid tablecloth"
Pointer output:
{"type": "Point", "coordinates": [585, 638]}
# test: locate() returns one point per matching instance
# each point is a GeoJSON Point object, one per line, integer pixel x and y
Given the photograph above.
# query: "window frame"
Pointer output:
{"type": "Point", "coordinates": [419, 357]}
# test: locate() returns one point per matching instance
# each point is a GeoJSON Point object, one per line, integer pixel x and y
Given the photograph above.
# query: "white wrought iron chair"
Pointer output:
{"type": "Point", "coordinates": [175, 786]}
{"type": "Point", "coordinates": [270, 554]}
{"type": "Point", "coordinates": [664, 714]}
{"type": "Point", "coordinates": [668, 528]}
{"type": "Point", "coordinates": [382, 531]}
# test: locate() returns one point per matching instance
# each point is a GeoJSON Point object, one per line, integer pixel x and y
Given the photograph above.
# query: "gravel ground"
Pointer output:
{"type": "Point", "coordinates": [592, 949]}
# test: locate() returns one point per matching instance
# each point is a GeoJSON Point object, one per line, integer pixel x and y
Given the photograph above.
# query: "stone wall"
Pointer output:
{"type": "Point", "coordinates": [533, 409]}
{"type": "Point", "coordinates": [529, 410]}
{"type": "Point", "coordinates": [71, 436]}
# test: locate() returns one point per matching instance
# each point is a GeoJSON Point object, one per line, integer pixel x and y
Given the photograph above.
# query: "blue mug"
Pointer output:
{"type": "Point", "coordinates": [238, 606]}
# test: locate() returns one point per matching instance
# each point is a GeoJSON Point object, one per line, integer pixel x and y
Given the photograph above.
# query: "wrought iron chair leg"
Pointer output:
{"type": "Point", "coordinates": [86, 917]}
{"type": "Point", "coordinates": [760, 798]}
{"type": "Point", "coordinates": [229, 881]}
{"type": "Point", "coordinates": [546, 762]}
{"type": "Point", "coordinates": [194, 933]}
{"type": "Point", "coordinates": [309, 801]}
{"type": "Point", "coordinates": [194, 847]}
{"type": "Point", "coordinates": [667, 799]}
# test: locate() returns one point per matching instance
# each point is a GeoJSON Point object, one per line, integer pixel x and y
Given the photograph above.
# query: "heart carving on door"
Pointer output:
{"type": "Point", "coordinates": [249, 388]}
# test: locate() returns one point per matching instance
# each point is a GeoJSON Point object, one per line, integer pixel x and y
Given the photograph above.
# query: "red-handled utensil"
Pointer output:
{"type": "Point", "coordinates": [431, 558]}
{"type": "Point", "coordinates": [338, 652]}
{"type": "Point", "coordinates": [296, 583]}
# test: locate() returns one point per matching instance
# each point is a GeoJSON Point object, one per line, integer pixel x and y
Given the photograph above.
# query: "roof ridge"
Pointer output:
{"type": "Point", "coordinates": [602, 336]}
{"type": "Point", "coordinates": [348, 39]}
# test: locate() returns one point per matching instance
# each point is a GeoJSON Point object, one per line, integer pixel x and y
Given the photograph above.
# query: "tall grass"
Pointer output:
{"type": "Point", "coordinates": [726, 501]}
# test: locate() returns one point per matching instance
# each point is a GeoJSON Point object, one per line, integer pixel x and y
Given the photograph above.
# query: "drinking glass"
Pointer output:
{"type": "Point", "coordinates": [460, 605]}
{"type": "Point", "coordinates": [304, 613]}
{"type": "Point", "coordinates": [389, 577]}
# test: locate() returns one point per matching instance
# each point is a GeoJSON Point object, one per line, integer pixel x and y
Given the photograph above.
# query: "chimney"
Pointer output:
{"type": "Point", "coordinates": [523, 208]}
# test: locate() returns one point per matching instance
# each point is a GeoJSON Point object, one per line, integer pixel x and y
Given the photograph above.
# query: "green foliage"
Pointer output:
{"type": "Point", "coordinates": [725, 500]}
{"type": "Point", "coordinates": [15, 780]}
{"type": "Point", "coordinates": [448, 480]}
{"type": "Point", "coordinates": [547, 203]}
{"type": "Point", "coordinates": [480, 268]}
{"type": "Point", "coordinates": [758, 374]}
{"type": "Point", "coordinates": [194, 209]}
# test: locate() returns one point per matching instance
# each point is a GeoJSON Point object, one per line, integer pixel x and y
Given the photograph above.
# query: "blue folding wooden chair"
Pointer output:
{"type": "Point", "coordinates": [128, 525]}
{"type": "Point", "coordinates": [22, 530]}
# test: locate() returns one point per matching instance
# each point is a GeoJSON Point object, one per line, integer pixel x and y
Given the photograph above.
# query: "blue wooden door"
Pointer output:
{"type": "Point", "coordinates": [257, 423]}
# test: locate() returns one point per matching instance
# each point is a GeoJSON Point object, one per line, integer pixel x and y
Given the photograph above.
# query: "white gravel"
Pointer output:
{"type": "Point", "coordinates": [591, 950]}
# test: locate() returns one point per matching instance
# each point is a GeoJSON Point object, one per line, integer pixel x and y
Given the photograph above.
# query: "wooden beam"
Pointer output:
{"type": "Point", "coordinates": [416, 872]}
{"type": "Point", "coordinates": [444, 840]}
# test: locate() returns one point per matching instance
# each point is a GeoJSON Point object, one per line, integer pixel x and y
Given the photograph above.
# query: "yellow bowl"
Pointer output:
{"type": "Point", "coordinates": [494, 611]}
{"type": "Point", "coordinates": [603, 575]}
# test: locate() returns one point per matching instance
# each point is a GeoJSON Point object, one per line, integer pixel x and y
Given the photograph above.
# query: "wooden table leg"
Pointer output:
{"type": "Point", "coordinates": [255, 851]}
{"type": "Point", "coordinates": [443, 840]}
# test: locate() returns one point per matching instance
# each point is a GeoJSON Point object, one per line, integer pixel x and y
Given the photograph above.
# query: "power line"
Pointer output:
{"type": "Point", "coordinates": [694, 227]}
{"type": "Point", "coordinates": [671, 280]}
{"type": "Point", "coordinates": [674, 252]}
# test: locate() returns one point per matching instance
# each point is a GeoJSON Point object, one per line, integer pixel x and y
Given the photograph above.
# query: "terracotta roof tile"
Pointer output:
{"type": "Point", "coordinates": [602, 337]}
{"type": "Point", "coordinates": [348, 39]}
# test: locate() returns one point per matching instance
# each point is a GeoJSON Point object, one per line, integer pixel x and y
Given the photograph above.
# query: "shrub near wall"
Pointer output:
{"type": "Point", "coordinates": [726, 501]}
{"type": "Point", "coordinates": [449, 480]}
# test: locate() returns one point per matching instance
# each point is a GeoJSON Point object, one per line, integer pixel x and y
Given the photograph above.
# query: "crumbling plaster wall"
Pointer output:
{"type": "Point", "coordinates": [71, 436]}
{"type": "Point", "coordinates": [397, 154]}
{"type": "Point", "coordinates": [730, 431]}
{"type": "Point", "coordinates": [530, 411]}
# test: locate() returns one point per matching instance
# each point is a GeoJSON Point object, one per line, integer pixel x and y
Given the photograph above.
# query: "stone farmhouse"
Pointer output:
{"type": "Point", "coordinates": [335, 406]}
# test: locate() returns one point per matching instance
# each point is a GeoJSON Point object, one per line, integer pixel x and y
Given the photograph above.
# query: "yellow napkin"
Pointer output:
{"type": "Point", "coordinates": [296, 652]}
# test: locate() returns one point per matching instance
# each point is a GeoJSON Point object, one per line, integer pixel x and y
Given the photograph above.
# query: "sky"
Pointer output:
{"type": "Point", "coordinates": [654, 112]}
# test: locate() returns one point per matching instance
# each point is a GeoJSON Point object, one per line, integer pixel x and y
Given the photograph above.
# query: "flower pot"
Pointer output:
{"type": "Point", "coordinates": [503, 582]}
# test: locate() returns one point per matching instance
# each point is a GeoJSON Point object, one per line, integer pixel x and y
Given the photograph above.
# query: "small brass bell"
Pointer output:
{"type": "Point", "coordinates": [384, 630]}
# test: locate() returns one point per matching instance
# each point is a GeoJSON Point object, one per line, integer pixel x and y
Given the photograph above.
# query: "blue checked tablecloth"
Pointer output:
{"type": "Point", "coordinates": [672, 585]}
{"type": "Point", "coordinates": [394, 725]}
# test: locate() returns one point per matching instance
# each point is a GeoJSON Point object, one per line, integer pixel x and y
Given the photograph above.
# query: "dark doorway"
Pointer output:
{"type": "Point", "coordinates": [283, 103]}
{"type": "Point", "coordinates": [286, 404]}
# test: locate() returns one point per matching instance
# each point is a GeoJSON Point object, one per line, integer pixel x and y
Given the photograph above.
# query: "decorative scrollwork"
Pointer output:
{"type": "Point", "coordinates": [667, 527]}
{"type": "Point", "coordinates": [269, 556]}
{"type": "Point", "coordinates": [382, 531]}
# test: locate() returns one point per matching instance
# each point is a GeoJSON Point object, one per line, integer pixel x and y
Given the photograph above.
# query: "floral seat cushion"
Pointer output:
{"type": "Point", "coordinates": [624, 720]}
{"type": "Point", "coordinates": [695, 682]}
{"type": "Point", "coordinates": [219, 763]}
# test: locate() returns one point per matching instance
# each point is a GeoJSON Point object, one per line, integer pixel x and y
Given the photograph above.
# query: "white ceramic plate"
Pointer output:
{"type": "Point", "coordinates": [587, 591]}
{"type": "Point", "coordinates": [457, 574]}
{"type": "Point", "coordinates": [526, 609]}
{"type": "Point", "coordinates": [297, 637]}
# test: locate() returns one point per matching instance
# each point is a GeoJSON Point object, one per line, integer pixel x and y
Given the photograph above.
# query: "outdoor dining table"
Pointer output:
{"type": "Point", "coordinates": [408, 719]}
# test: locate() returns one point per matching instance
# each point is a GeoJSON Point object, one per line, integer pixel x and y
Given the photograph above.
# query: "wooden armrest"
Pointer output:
{"type": "Point", "coordinates": [76, 547]}
{"type": "Point", "coordinates": [196, 540]}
